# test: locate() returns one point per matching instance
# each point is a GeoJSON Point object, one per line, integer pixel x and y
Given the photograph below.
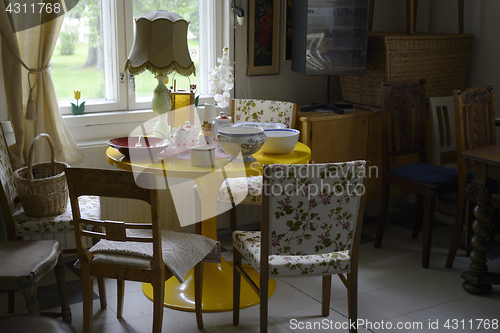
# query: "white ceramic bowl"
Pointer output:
{"type": "Point", "coordinates": [248, 140]}
{"type": "Point", "coordinates": [265, 126]}
{"type": "Point", "coordinates": [280, 141]}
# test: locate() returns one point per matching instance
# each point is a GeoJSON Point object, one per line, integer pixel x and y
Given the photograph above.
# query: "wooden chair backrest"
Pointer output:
{"type": "Point", "coordinates": [474, 123]}
{"type": "Point", "coordinates": [444, 144]}
{"type": "Point", "coordinates": [403, 121]}
{"type": "Point", "coordinates": [114, 184]}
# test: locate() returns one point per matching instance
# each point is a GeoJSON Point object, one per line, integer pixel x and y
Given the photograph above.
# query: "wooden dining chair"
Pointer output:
{"type": "Point", "coordinates": [442, 115]}
{"type": "Point", "coordinates": [404, 134]}
{"type": "Point", "coordinates": [133, 251]}
{"type": "Point", "coordinates": [475, 128]}
{"type": "Point", "coordinates": [311, 226]}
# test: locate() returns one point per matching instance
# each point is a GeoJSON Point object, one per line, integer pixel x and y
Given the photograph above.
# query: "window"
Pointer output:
{"type": "Point", "coordinates": [97, 36]}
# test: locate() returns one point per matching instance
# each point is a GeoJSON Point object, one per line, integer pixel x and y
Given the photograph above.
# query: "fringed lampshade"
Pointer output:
{"type": "Point", "coordinates": [160, 46]}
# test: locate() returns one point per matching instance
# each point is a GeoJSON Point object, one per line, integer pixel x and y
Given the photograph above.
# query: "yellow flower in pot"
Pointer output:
{"type": "Point", "coordinates": [77, 109]}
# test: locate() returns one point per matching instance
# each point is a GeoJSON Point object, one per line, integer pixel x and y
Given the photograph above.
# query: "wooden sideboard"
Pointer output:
{"type": "Point", "coordinates": [355, 135]}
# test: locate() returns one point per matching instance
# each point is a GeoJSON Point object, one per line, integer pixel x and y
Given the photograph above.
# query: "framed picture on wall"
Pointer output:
{"type": "Point", "coordinates": [263, 37]}
{"type": "Point", "coordinates": [287, 40]}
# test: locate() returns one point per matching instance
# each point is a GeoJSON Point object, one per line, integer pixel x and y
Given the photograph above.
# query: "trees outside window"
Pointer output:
{"type": "Point", "coordinates": [93, 45]}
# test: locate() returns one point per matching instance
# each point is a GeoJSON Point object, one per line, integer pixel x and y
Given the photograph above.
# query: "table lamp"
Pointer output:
{"type": "Point", "coordinates": [160, 46]}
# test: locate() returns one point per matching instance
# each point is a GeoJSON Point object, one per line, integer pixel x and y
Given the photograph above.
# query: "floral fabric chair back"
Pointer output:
{"type": "Point", "coordinates": [311, 226]}
{"type": "Point", "coordinates": [19, 224]}
{"type": "Point", "coordinates": [7, 172]}
{"type": "Point", "coordinates": [254, 110]}
{"type": "Point", "coordinates": [313, 208]}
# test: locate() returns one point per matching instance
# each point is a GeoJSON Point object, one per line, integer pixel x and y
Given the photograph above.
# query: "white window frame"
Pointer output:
{"type": "Point", "coordinates": [112, 38]}
{"type": "Point", "coordinates": [222, 30]}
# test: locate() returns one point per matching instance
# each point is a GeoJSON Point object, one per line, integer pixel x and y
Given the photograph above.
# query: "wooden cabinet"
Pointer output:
{"type": "Point", "coordinates": [354, 135]}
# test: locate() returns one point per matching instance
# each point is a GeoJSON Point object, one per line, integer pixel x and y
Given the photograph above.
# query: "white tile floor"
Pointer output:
{"type": "Point", "coordinates": [393, 288]}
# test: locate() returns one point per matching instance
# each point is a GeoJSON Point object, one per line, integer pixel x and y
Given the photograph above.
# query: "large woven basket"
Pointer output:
{"type": "Point", "coordinates": [47, 196]}
{"type": "Point", "coordinates": [440, 59]}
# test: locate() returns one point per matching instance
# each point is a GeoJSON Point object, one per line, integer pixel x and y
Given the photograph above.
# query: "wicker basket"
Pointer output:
{"type": "Point", "coordinates": [44, 196]}
{"type": "Point", "coordinates": [440, 59]}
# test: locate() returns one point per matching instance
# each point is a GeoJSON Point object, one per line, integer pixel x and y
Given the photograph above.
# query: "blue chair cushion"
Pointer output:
{"type": "Point", "coordinates": [426, 173]}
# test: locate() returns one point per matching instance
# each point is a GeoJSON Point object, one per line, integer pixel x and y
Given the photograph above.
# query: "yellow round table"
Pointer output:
{"type": "Point", "coordinates": [217, 278]}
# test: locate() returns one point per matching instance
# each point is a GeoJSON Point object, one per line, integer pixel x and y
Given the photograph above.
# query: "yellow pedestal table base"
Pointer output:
{"type": "Point", "coordinates": [217, 289]}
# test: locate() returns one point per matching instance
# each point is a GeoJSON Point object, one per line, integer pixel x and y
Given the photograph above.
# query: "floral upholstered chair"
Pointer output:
{"type": "Point", "coordinates": [247, 190]}
{"type": "Point", "coordinates": [18, 224]}
{"type": "Point", "coordinates": [311, 226]}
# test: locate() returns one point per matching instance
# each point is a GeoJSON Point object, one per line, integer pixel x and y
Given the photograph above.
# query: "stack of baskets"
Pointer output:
{"type": "Point", "coordinates": [441, 59]}
{"type": "Point", "coordinates": [46, 193]}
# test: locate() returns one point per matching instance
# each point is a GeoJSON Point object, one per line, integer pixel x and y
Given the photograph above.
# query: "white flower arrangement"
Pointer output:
{"type": "Point", "coordinates": [221, 80]}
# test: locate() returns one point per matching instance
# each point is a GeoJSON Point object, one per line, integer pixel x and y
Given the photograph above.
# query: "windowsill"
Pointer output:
{"type": "Point", "coordinates": [107, 118]}
{"type": "Point", "coordinates": [98, 118]}
{"type": "Point", "coordinates": [100, 126]}
{"type": "Point", "coordinates": [117, 117]}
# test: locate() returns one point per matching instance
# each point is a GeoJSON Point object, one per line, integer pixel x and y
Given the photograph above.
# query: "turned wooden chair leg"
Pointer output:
{"type": "Point", "coordinates": [468, 228]}
{"type": "Point", "coordinates": [29, 293]}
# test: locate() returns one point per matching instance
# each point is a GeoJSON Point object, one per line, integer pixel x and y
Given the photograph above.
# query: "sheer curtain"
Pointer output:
{"type": "Point", "coordinates": [35, 47]}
